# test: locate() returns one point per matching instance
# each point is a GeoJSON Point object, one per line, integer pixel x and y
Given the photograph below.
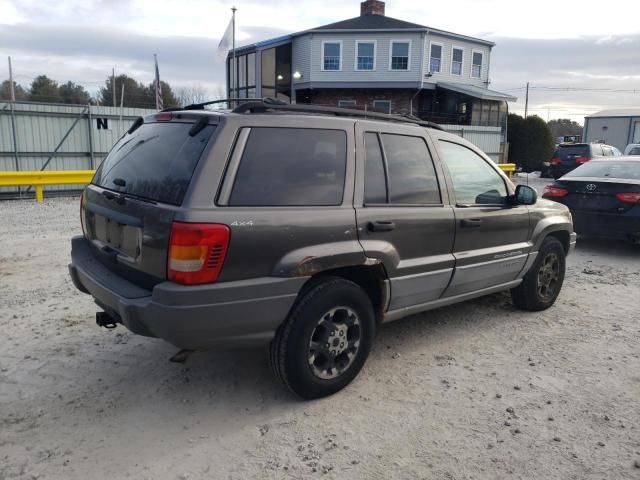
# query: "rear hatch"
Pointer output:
{"type": "Point", "coordinates": [130, 204]}
{"type": "Point", "coordinates": [573, 155]}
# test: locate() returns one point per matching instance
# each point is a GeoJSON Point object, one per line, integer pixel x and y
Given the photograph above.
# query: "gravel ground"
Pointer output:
{"type": "Point", "coordinates": [473, 391]}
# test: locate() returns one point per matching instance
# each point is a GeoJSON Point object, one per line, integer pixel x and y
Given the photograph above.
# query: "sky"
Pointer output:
{"type": "Point", "coordinates": [579, 56]}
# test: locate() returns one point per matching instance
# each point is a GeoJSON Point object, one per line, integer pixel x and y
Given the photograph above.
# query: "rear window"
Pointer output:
{"type": "Point", "coordinates": [609, 169]}
{"type": "Point", "coordinates": [291, 167]}
{"type": "Point", "coordinates": [156, 161]}
{"type": "Point", "coordinates": [574, 150]}
{"type": "Point", "coordinates": [634, 151]}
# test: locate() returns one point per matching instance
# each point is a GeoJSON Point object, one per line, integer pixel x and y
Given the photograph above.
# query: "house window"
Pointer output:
{"type": "Point", "coordinates": [476, 67]}
{"type": "Point", "coordinates": [365, 55]}
{"type": "Point", "coordinates": [456, 61]}
{"type": "Point", "coordinates": [382, 106]}
{"type": "Point", "coordinates": [331, 52]}
{"type": "Point", "coordinates": [435, 60]}
{"type": "Point", "coordinates": [400, 55]}
{"type": "Point", "coordinates": [347, 103]}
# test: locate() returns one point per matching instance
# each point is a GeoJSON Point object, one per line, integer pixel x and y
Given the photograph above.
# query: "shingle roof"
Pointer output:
{"type": "Point", "coordinates": [370, 22]}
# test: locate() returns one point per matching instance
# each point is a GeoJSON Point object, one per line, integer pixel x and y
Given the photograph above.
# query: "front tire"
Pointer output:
{"type": "Point", "coordinates": [542, 283]}
{"type": "Point", "coordinates": [325, 340]}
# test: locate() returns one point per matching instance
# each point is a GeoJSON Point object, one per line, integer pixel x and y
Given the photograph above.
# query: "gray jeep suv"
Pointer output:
{"type": "Point", "coordinates": [304, 228]}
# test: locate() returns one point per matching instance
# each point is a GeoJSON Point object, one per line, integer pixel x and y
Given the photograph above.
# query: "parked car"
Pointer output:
{"type": "Point", "coordinates": [603, 196]}
{"type": "Point", "coordinates": [632, 149]}
{"type": "Point", "coordinates": [571, 155]}
{"type": "Point", "coordinates": [304, 228]}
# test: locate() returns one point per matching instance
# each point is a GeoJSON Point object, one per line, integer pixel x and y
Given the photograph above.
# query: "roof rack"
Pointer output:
{"type": "Point", "coordinates": [200, 106]}
{"type": "Point", "coordinates": [266, 104]}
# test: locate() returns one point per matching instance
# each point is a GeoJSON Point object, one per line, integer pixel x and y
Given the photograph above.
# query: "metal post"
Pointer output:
{"type": "Point", "coordinates": [233, 47]}
{"type": "Point", "coordinates": [121, 104]}
{"type": "Point", "coordinates": [113, 86]}
{"type": "Point", "coordinates": [13, 123]}
{"type": "Point", "coordinates": [11, 88]}
{"type": "Point", "coordinates": [92, 165]}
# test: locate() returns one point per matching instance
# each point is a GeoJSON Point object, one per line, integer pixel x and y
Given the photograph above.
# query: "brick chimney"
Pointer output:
{"type": "Point", "coordinates": [372, 7]}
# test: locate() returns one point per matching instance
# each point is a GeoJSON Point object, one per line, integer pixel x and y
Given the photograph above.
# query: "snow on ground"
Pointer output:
{"type": "Point", "coordinates": [478, 390]}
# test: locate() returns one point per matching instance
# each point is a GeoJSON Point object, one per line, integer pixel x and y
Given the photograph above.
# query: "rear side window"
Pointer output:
{"type": "Point", "coordinates": [634, 151]}
{"type": "Point", "coordinates": [410, 175]}
{"type": "Point", "coordinates": [155, 162]}
{"type": "Point", "coordinates": [291, 167]}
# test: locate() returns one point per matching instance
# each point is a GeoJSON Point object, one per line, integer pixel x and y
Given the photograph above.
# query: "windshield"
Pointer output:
{"type": "Point", "coordinates": [156, 161]}
{"type": "Point", "coordinates": [609, 169]}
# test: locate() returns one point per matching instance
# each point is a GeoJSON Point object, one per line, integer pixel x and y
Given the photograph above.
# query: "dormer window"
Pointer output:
{"type": "Point", "coordinates": [400, 55]}
{"type": "Point", "coordinates": [332, 56]}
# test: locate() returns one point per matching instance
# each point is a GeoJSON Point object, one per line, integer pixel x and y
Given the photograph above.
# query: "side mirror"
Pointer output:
{"type": "Point", "coordinates": [525, 195]}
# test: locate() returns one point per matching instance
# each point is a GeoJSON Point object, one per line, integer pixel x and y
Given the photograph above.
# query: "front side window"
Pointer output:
{"type": "Point", "coordinates": [382, 106]}
{"type": "Point", "coordinates": [291, 167]}
{"type": "Point", "coordinates": [409, 177]}
{"type": "Point", "coordinates": [331, 56]}
{"type": "Point", "coordinates": [475, 182]}
{"type": "Point", "coordinates": [399, 55]}
{"type": "Point", "coordinates": [476, 68]}
{"type": "Point", "coordinates": [435, 60]}
{"type": "Point", "coordinates": [365, 55]}
{"type": "Point", "coordinates": [457, 55]}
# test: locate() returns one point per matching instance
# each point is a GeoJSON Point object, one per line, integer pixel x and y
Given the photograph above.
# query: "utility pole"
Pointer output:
{"type": "Point", "coordinates": [526, 102]}
{"type": "Point", "coordinates": [11, 88]}
{"type": "Point", "coordinates": [233, 47]}
{"type": "Point", "coordinates": [113, 86]}
{"type": "Point", "coordinates": [121, 105]}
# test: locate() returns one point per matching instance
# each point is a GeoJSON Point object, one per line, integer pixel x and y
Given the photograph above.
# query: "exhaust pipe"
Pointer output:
{"type": "Point", "coordinates": [103, 319]}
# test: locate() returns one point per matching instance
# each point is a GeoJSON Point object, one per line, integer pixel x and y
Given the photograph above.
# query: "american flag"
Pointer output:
{"type": "Point", "coordinates": [158, 85]}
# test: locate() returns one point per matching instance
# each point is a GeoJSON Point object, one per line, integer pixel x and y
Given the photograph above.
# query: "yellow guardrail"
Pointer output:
{"type": "Point", "coordinates": [71, 177]}
{"type": "Point", "coordinates": [48, 177]}
{"type": "Point", "coordinates": [507, 168]}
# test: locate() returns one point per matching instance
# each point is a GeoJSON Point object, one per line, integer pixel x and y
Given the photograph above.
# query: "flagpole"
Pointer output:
{"type": "Point", "coordinates": [233, 47]}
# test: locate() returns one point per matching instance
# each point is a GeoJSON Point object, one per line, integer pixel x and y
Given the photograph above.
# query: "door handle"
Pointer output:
{"type": "Point", "coordinates": [470, 223]}
{"type": "Point", "coordinates": [381, 226]}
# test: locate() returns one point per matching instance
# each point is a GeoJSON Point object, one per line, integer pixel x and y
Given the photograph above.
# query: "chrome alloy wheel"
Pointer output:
{"type": "Point", "coordinates": [334, 343]}
{"type": "Point", "coordinates": [548, 276]}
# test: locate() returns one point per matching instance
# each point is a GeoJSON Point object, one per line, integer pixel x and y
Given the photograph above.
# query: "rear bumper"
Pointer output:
{"type": "Point", "coordinates": [239, 313]}
{"type": "Point", "coordinates": [607, 225]}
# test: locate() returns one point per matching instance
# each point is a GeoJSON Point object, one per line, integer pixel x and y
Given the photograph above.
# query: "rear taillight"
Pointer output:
{"type": "Point", "coordinates": [84, 230]}
{"type": "Point", "coordinates": [555, 192]}
{"type": "Point", "coordinates": [196, 252]}
{"type": "Point", "coordinates": [629, 197]}
{"type": "Point", "coordinates": [582, 159]}
{"type": "Point", "coordinates": [555, 161]}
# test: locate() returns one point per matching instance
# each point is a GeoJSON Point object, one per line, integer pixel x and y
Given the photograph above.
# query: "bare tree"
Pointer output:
{"type": "Point", "coordinates": [192, 94]}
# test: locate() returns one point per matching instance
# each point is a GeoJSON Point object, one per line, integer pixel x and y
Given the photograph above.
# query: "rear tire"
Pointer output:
{"type": "Point", "coordinates": [325, 340]}
{"type": "Point", "coordinates": [542, 283]}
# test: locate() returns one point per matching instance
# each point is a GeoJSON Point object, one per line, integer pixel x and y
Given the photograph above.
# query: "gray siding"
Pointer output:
{"type": "Point", "coordinates": [301, 57]}
{"type": "Point", "coordinates": [618, 132]}
{"type": "Point", "coordinates": [445, 71]}
{"type": "Point", "coordinates": [382, 72]}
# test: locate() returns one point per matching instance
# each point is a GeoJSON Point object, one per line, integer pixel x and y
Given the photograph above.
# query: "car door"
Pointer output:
{"type": "Point", "coordinates": [403, 216]}
{"type": "Point", "coordinates": [491, 244]}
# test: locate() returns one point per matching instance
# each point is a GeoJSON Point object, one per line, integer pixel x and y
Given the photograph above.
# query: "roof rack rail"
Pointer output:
{"type": "Point", "coordinates": [200, 106]}
{"type": "Point", "coordinates": [266, 104]}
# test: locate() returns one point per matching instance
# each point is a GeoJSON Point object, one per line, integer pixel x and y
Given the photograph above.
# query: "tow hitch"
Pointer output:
{"type": "Point", "coordinates": [103, 319]}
